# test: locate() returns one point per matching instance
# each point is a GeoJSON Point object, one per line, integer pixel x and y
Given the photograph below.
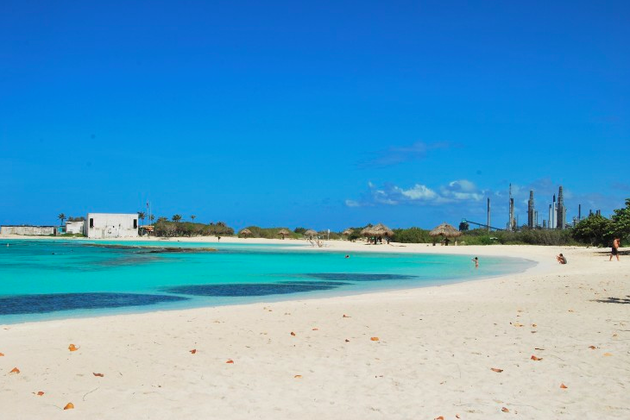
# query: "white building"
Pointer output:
{"type": "Point", "coordinates": [75, 226]}
{"type": "Point", "coordinates": [111, 225]}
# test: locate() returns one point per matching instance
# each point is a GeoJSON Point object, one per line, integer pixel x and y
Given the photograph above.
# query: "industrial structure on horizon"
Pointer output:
{"type": "Point", "coordinates": [557, 218]}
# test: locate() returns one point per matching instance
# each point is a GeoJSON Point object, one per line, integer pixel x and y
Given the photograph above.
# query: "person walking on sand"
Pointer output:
{"type": "Point", "coordinates": [615, 250]}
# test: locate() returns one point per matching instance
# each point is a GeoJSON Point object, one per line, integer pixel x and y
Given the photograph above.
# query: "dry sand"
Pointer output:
{"type": "Point", "coordinates": [421, 353]}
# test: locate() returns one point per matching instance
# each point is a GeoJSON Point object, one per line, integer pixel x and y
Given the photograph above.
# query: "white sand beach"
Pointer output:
{"type": "Point", "coordinates": [550, 343]}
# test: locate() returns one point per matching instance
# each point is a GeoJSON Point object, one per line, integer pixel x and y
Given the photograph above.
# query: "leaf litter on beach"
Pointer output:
{"type": "Point", "coordinates": [497, 370]}
{"type": "Point", "coordinates": [72, 347]}
{"type": "Point", "coordinates": [69, 406]}
{"type": "Point", "coordinates": [15, 370]}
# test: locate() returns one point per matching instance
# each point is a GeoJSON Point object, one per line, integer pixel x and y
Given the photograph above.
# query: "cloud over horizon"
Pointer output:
{"type": "Point", "coordinates": [418, 194]}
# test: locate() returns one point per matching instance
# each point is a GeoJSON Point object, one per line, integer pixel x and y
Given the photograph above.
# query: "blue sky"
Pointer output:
{"type": "Point", "coordinates": [321, 114]}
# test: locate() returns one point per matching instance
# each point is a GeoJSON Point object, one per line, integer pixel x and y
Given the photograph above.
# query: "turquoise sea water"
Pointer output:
{"type": "Point", "coordinates": [42, 279]}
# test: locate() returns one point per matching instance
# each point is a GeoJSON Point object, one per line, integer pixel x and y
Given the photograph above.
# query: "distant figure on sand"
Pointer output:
{"type": "Point", "coordinates": [476, 261]}
{"type": "Point", "coordinates": [561, 259]}
{"type": "Point", "coordinates": [615, 250]}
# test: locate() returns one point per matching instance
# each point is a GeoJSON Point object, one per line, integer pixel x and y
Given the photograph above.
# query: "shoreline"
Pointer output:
{"type": "Point", "coordinates": [433, 355]}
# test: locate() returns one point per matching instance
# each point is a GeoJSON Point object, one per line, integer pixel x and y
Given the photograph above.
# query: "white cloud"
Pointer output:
{"type": "Point", "coordinates": [419, 194]}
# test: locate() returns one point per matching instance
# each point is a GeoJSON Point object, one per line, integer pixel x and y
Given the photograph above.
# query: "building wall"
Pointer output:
{"type": "Point", "coordinates": [28, 230]}
{"type": "Point", "coordinates": [75, 227]}
{"type": "Point", "coordinates": [111, 225]}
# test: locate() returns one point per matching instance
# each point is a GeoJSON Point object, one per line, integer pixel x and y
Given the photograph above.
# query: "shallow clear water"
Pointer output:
{"type": "Point", "coordinates": [42, 279]}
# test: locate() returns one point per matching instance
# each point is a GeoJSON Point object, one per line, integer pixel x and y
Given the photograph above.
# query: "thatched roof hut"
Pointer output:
{"type": "Point", "coordinates": [283, 233]}
{"type": "Point", "coordinates": [245, 233]}
{"type": "Point", "coordinates": [378, 230]}
{"type": "Point", "coordinates": [310, 233]}
{"type": "Point", "coordinates": [446, 231]}
{"type": "Point", "coordinates": [347, 232]}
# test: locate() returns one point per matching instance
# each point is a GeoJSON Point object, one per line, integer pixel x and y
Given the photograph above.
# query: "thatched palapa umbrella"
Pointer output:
{"type": "Point", "coordinates": [445, 231]}
{"type": "Point", "coordinates": [310, 234]}
{"type": "Point", "coordinates": [347, 232]}
{"type": "Point", "coordinates": [245, 233]}
{"type": "Point", "coordinates": [283, 233]}
{"type": "Point", "coordinates": [377, 231]}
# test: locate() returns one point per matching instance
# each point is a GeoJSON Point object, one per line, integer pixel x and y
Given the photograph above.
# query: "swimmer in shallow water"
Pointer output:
{"type": "Point", "coordinates": [476, 261]}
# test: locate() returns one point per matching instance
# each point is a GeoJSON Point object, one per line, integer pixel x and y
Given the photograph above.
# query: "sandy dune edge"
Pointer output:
{"type": "Point", "coordinates": [435, 351]}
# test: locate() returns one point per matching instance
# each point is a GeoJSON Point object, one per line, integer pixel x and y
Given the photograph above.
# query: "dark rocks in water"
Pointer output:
{"type": "Point", "coordinates": [154, 249]}
{"type": "Point", "coordinates": [359, 276]}
{"type": "Point", "coordinates": [37, 304]}
{"type": "Point", "coordinates": [247, 289]}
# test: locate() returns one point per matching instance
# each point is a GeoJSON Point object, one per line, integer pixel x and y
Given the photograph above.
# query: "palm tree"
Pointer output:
{"type": "Point", "coordinates": [61, 217]}
{"type": "Point", "coordinates": [152, 218]}
{"type": "Point", "coordinates": [141, 216]}
{"type": "Point", "coordinates": [176, 218]}
{"type": "Point", "coordinates": [192, 217]}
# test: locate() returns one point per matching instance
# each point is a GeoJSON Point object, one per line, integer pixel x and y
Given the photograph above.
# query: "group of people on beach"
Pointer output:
{"type": "Point", "coordinates": [614, 252]}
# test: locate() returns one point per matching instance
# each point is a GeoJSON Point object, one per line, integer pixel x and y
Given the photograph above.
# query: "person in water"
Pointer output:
{"type": "Point", "coordinates": [476, 261]}
{"type": "Point", "coordinates": [561, 259]}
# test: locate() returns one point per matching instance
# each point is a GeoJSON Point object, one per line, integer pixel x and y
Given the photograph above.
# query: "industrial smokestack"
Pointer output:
{"type": "Point", "coordinates": [530, 211]}
{"type": "Point", "coordinates": [561, 217]}
{"type": "Point", "coordinates": [488, 216]}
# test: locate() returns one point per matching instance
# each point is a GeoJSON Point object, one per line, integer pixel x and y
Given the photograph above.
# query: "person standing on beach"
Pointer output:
{"type": "Point", "coordinates": [615, 250]}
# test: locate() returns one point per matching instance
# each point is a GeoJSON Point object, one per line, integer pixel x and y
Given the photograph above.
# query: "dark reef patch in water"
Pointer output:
{"type": "Point", "coordinates": [316, 283]}
{"type": "Point", "coordinates": [359, 276]}
{"type": "Point", "coordinates": [38, 304]}
{"type": "Point", "coordinates": [246, 289]}
{"type": "Point", "coordinates": [142, 249]}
